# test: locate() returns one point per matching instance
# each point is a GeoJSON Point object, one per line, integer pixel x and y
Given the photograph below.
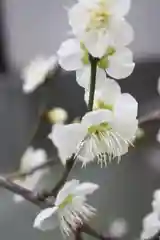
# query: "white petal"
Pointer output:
{"type": "Point", "coordinates": [121, 64]}
{"type": "Point", "coordinates": [121, 32]}
{"type": "Point", "coordinates": [156, 202]}
{"type": "Point", "coordinates": [70, 55]}
{"type": "Point", "coordinates": [35, 74]}
{"type": "Point", "coordinates": [83, 77]}
{"type": "Point", "coordinates": [66, 138]}
{"type": "Point", "coordinates": [96, 42]}
{"type": "Point", "coordinates": [107, 93]}
{"type": "Point", "coordinates": [126, 107]}
{"type": "Point", "coordinates": [75, 18]}
{"type": "Point", "coordinates": [151, 225]}
{"type": "Point", "coordinates": [32, 158]}
{"type": "Point", "coordinates": [46, 219]}
{"type": "Point", "coordinates": [158, 136]}
{"type": "Point", "coordinates": [97, 117]}
{"type": "Point", "coordinates": [158, 87]}
{"type": "Point", "coordinates": [120, 7]}
{"type": "Point", "coordinates": [68, 189]}
{"type": "Point", "coordinates": [86, 188]}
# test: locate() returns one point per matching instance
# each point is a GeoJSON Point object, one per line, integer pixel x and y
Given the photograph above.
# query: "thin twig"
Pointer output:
{"type": "Point", "coordinates": [61, 182]}
{"type": "Point", "coordinates": [93, 62]}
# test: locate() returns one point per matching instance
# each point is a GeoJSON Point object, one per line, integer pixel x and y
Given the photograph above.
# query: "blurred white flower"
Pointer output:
{"type": "Point", "coordinates": [36, 72]}
{"type": "Point", "coordinates": [57, 115]}
{"type": "Point", "coordinates": [140, 133]}
{"type": "Point", "coordinates": [70, 209]}
{"type": "Point", "coordinates": [102, 24]}
{"type": "Point", "coordinates": [117, 62]}
{"type": "Point", "coordinates": [158, 136]}
{"type": "Point", "coordinates": [31, 159]}
{"type": "Point", "coordinates": [102, 134]}
{"type": "Point", "coordinates": [156, 202]}
{"type": "Point", "coordinates": [158, 86]}
{"type": "Point", "coordinates": [151, 226]}
{"type": "Point", "coordinates": [118, 228]}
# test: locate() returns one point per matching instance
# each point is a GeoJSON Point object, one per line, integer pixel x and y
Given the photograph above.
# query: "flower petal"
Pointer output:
{"type": "Point", "coordinates": [83, 77]}
{"type": "Point", "coordinates": [107, 93]}
{"type": "Point", "coordinates": [32, 158]}
{"type": "Point", "coordinates": [66, 138]}
{"type": "Point", "coordinates": [96, 117]}
{"type": "Point", "coordinates": [86, 188]}
{"type": "Point", "coordinates": [121, 64]}
{"type": "Point", "coordinates": [70, 55]}
{"type": "Point", "coordinates": [46, 219]}
{"type": "Point", "coordinates": [75, 18]}
{"type": "Point", "coordinates": [68, 189]}
{"type": "Point", "coordinates": [96, 42]}
{"type": "Point", "coordinates": [120, 7]}
{"type": "Point", "coordinates": [126, 107]}
{"type": "Point", "coordinates": [121, 32]}
{"type": "Point", "coordinates": [35, 74]}
{"type": "Point", "coordinates": [151, 225]}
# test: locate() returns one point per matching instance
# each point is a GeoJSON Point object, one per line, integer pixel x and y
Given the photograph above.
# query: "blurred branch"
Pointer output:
{"type": "Point", "coordinates": [61, 182]}
{"type": "Point", "coordinates": [18, 175]}
{"type": "Point", "coordinates": [154, 115]}
{"type": "Point", "coordinates": [27, 194]}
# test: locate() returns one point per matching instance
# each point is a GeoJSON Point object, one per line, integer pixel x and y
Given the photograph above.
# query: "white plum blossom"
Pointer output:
{"type": "Point", "coordinates": [70, 209]}
{"type": "Point", "coordinates": [158, 86]}
{"type": "Point", "coordinates": [117, 62]}
{"type": "Point", "coordinates": [103, 134]}
{"type": "Point", "coordinates": [57, 115]}
{"type": "Point", "coordinates": [118, 228]}
{"type": "Point", "coordinates": [156, 202]}
{"type": "Point", "coordinates": [31, 159]}
{"type": "Point", "coordinates": [158, 136]}
{"type": "Point", "coordinates": [151, 226]}
{"type": "Point", "coordinates": [36, 72]}
{"type": "Point", "coordinates": [102, 25]}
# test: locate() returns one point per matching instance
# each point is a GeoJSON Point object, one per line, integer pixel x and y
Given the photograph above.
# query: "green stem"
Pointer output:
{"type": "Point", "coordinates": [93, 62]}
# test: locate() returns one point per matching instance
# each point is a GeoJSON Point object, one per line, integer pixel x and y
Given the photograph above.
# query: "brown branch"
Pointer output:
{"type": "Point", "coordinates": [69, 165]}
{"type": "Point", "coordinates": [27, 194]}
{"type": "Point", "coordinates": [18, 175]}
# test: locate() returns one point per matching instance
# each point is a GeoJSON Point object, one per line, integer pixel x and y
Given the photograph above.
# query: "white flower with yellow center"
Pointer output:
{"type": "Point", "coordinates": [36, 72]}
{"type": "Point", "coordinates": [70, 208]}
{"type": "Point", "coordinates": [103, 134]}
{"type": "Point", "coordinates": [117, 62]}
{"type": "Point", "coordinates": [30, 160]}
{"type": "Point", "coordinates": [100, 23]}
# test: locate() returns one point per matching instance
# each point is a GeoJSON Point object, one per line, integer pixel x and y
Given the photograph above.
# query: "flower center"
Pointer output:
{"type": "Point", "coordinates": [101, 105]}
{"type": "Point", "coordinates": [99, 18]}
{"type": "Point", "coordinates": [67, 200]}
{"type": "Point", "coordinates": [97, 129]}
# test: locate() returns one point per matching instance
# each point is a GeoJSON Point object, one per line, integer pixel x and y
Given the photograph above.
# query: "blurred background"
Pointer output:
{"type": "Point", "coordinates": [37, 27]}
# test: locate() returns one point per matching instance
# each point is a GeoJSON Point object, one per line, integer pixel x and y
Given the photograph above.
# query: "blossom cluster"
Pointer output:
{"type": "Point", "coordinates": [98, 52]}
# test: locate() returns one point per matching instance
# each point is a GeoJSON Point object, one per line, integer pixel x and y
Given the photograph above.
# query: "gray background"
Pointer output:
{"type": "Point", "coordinates": [38, 27]}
